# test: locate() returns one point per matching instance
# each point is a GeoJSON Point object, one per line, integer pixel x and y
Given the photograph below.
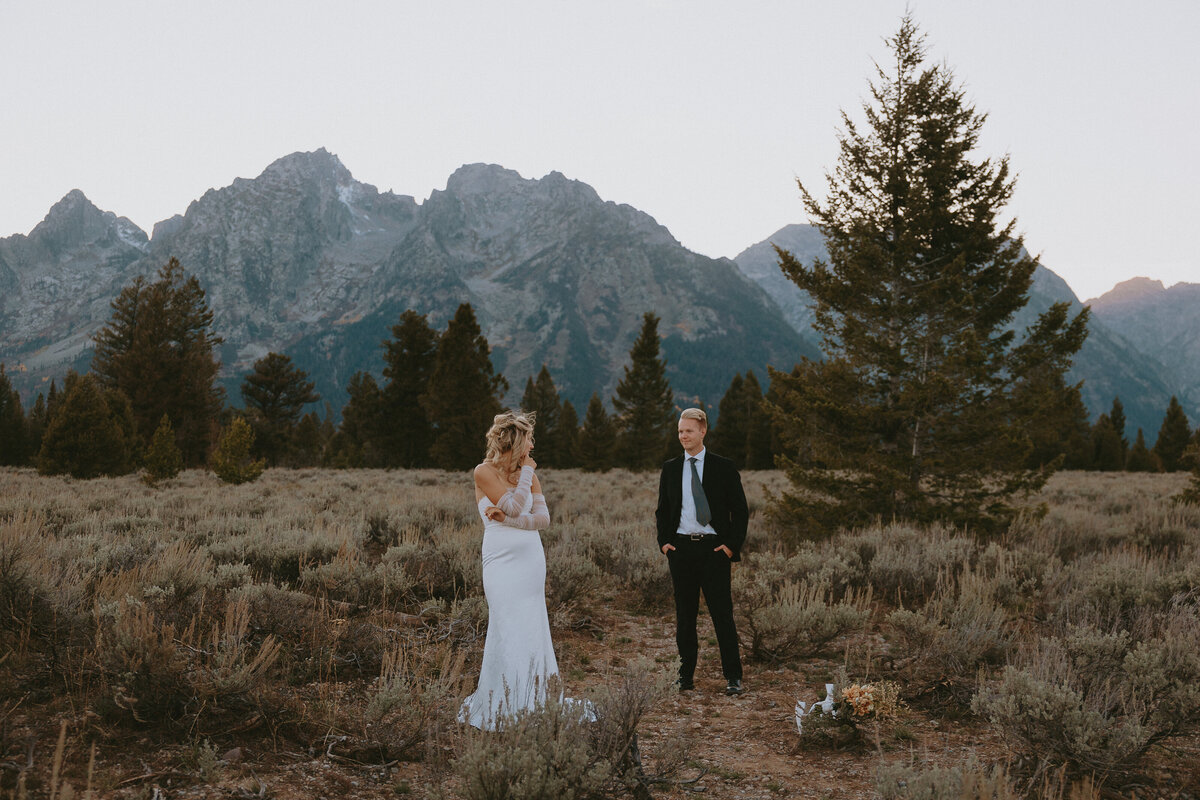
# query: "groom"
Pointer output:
{"type": "Point", "coordinates": [702, 518]}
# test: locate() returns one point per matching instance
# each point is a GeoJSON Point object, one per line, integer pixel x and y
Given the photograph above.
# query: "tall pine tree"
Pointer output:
{"type": "Point", "coordinates": [567, 439]}
{"type": "Point", "coordinates": [1117, 417]}
{"type": "Point", "coordinates": [541, 397]}
{"type": "Point", "coordinates": [275, 393]}
{"type": "Point", "coordinates": [911, 413]}
{"type": "Point", "coordinates": [1107, 454]}
{"type": "Point", "coordinates": [1140, 458]}
{"type": "Point", "coordinates": [409, 358]}
{"type": "Point", "coordinates": [644, 406]}
{"type": "Point", "coordinates": [760, 432]}
{"type": "Point", "coordinates": [729, 435]}
{"type": "Point", "coordinates": [158, 350]}
{"type": "Point", "coordinates": [359, 440]}
{"type": "Point", "coordinates": [1173, 437]}
{"type": "Point", "coordinates": [14, 431]}
{"type": "Point", "coordinates": [597, 438]}
{"type": "Point", "coordinates": [464, 393]}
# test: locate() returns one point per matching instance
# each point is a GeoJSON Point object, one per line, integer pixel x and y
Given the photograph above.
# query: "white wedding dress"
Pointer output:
{"type": "Point", "coordinates": [518, 655]}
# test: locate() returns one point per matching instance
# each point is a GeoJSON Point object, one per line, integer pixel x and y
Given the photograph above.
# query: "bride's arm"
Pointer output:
{"type": "Point", "coordinates": [537, 518]}
{"type": "Point", "coordinates": [511, 503]}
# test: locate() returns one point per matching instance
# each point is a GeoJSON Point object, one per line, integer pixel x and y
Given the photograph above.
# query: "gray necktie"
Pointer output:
{"type": "Point", "coordinates": [703, 513]}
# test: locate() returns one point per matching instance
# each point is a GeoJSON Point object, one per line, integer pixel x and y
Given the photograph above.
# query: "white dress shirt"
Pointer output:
{"type": "Point", "coordinates": [687, 515]}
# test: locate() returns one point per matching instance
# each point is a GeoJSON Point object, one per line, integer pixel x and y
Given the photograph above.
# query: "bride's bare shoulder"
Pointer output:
{"type": "Point", "coordinates": [486, 473]}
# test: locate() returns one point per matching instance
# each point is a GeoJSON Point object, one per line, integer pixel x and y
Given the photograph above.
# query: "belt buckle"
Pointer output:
{"type": "Point", "coordinates": [695, 537]}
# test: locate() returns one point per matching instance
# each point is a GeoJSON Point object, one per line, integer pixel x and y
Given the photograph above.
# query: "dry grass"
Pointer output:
{"type": "Point", "coordinates": [210, 634]}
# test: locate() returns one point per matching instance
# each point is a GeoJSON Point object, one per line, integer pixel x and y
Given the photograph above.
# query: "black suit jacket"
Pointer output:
{"type": "Point", "coordinates": [726, 500]}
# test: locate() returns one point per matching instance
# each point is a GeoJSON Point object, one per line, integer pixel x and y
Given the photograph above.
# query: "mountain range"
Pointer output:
{"type": "Point", "coordinates": [308, 261]}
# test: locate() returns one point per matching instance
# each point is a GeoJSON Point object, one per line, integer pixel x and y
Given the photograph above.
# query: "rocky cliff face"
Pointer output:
{"type": "Point", "coordinates": [1114, 361]}
{"type": "Point", "coordinates": [58, 281]}
{"type": "Point", "coordinates": [308, 261]}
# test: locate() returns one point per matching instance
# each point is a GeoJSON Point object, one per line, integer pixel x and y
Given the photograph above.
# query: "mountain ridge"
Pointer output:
{"type": "Point", "coordinates": [307, 260]}
{"type": "Point", "coordinates": [304, 259]}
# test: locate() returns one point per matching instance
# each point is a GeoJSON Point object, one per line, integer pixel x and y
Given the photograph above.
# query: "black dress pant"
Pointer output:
{"type": "Point", "coordinates": [696, 568]}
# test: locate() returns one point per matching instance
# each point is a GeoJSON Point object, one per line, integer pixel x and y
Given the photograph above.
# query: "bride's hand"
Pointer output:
{"type": "Point", "coordinates": [494, 513]}
{"type": "Point", "coordinates": [529, 462]}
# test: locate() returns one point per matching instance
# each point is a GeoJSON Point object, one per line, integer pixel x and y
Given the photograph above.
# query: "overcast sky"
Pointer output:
{"type": "Point", "coordinates": [702, 114]}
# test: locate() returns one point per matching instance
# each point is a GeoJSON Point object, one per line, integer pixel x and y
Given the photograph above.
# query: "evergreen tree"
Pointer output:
{"type": "Point", "coordinates": [358, 441]}
{"type": "Point", "coordinates": [643, 404]}
{"type": "Point", "coordinates": [597, 438]}
{"type": "Point", "coordinates": [409, 358]}
{"type": "Point", "coordinates": [730, 434]}
{"type": "Point", "coordinates": [53, 400]}
{"type": "Point", "coordinates": [743, 431]}
{"type": "Point", "coordinates": [14, 433]}
{"type": "Point", "coordinates": [541, 397]}
{"type": "Point", "coordinates": [307, 447]}
{"type": "Point", "coordinates": [568, 436]}
{"type": "Point", "coordinates": [163, 459]}
{"type": "Point", "coordinates": [1107, 454]}
{"type": "Point", "coordinates": [39, 418]}
{"type": "Point", "coordinates": [760, 433]}
{"type": "Point", "coordinates": [275, 392]}
{"type": "Point", "coordinates": [1117, 417]}
{"type": "Point", "coordinates": [231, 459]}
{"type": "Point", "coordinates": [1173, 437]}
{"type": "Point", "coordinates": [91, 433]}
{"type": "Point", "coordinates": [158, 350]}
{"type": "Point", "coordinates": [1140, 458]}
{"type": "Point", "coordinates": [464, 393]}
{"type": "Point", "coordinates": [912, 410]}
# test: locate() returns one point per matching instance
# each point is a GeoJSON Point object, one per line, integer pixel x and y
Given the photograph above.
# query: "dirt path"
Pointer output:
{"type": "Point", "coordinates": [748, 746]}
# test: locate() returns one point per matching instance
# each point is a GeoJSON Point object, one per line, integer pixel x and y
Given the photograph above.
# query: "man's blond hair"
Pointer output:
{"type": "Point", "coordinates": [696, 414]}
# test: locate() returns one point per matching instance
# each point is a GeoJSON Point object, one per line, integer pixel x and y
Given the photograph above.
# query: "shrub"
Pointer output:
{"type": "Point", "coordinates": [571, 575]}
{"type": "Point", "coordinates": [347, 578]}
{"type": "Point", "coordinates": [539, 754]}
{"type": "Point", "coordinates": [796, 619]}
{"type": "Point", "coordinates": [411, 702]}
{"type": "Point", "coordinates": [968, 781]}
{"type": "Point", "coordinates": [442, 570]}
{"type": "Point", "coordinates": [1120, 584]}
{"type": "Point", "coordinates": [231, 459]}
{"type": "Point", "coordinates": [938, 650]}
{"type": "Point", "coordinates": [142, 664]}
{"type": "Point", "coordinates": [558, 751]}
{"type": "Point", "coordinates": [1093, 702]}
{"type": "Point", "coordinates": [904, 563]}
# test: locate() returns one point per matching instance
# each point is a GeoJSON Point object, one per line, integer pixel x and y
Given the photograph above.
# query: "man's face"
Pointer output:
{"type": "Point", "coordinates": [691, 435]}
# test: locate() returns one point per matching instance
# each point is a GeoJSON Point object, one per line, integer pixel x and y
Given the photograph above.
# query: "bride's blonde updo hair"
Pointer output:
{"type": "Point", "coordinates": [507, 439]}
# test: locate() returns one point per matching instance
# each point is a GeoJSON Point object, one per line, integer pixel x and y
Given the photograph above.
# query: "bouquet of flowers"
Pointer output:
{"type": "Point", "coordinates": [835, 720]}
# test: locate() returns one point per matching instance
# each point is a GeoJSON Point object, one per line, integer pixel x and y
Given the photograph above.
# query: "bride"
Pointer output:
{"type": "Point", "coordinates": [518, 655]}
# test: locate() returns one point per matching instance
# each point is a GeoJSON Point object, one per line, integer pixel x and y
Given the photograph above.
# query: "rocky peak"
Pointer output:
{"type": "Point", "coordinates": [1130, 291]}
{"type": "Point", "coordinates": [75, 222]}
{"type": "Point", "coordinates": [319, 165]}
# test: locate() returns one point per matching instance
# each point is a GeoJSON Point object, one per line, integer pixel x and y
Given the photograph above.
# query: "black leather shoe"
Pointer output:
{"type": "Point", "coordinates": [684, 686]}
{"type": "Point", "coordinates": [734, 688]}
